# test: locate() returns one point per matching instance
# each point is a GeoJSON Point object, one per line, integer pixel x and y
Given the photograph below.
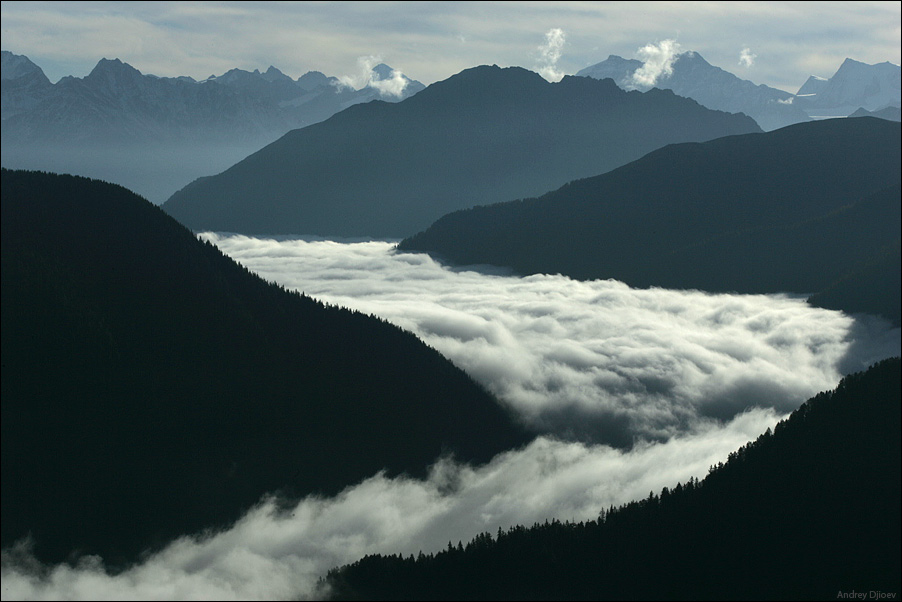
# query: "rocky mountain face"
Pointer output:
{"type": "Point", "coordinates": [854, 85]}
{"type": "Point", "coordinates": [23, 85]}
{"type": "Point", "coordinates": [711, 86]}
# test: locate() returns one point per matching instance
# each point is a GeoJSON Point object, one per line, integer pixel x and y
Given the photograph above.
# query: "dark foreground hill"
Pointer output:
{"type": "Point", "coordinates": [152, 387]}
{"type": "Point", "coordinates": [810, 511]}
{"type": "Point", "coordinates": [389, 170]}
{"type": "Point", "coordinates": [793, 210]}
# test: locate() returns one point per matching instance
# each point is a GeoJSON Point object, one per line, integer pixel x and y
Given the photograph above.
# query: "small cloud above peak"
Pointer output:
{"type": "Point", "coordinates": [746, 57]}
{"type": "Point", "coordinates": [373, 73]}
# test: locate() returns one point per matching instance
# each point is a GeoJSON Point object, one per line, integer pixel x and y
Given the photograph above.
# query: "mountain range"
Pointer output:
{"type": "Point", "coordinates": [116, 103]}
{"type": "Point", "coordinates": [692, 76]}
{"type": "Point", "coordinates": [487, 133]}
{"type": "Point", "coordinates": [855, 85]}
{"type": "Point", "coordinates": [154, 388]}
{"type": "Point", "coordinates": [793, 210]}
{"type": "Point", "coordinates": [156, 134]}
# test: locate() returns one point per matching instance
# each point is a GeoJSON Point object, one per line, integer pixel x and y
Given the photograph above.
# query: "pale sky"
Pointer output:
{"type": "Point", "coordinates": [775, 43]}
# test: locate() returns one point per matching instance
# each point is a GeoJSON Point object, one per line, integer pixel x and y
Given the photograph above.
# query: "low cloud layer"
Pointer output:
{"type": "Point", "coordinates": [658, 63]}
{"type": "Point", "coordinates": [597, 361]}
{"type": "Point", "coordinates": [668, 375]}
{"type": "Point", "coordinates": [550, 53]}
{"type": "Point", "coordinates": [270, 555]}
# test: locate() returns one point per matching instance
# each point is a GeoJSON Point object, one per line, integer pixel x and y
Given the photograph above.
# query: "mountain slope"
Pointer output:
{"type": "Point", "coordinates": [805, 512]}
{"type": "Point", "coordinates": [733, 214]}
{"type": "Point", "coordinates": [712, 87]}
{"type": "Point", "coordinates": [486, 133]}
{"type": "Point", "coordinates": [154, 388]}
{"type": "Point", "coordinates": [22, 84]}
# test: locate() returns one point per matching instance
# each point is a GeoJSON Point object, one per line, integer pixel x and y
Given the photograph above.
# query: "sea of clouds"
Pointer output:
{"type": "Point", "coordinates": [631, 390]}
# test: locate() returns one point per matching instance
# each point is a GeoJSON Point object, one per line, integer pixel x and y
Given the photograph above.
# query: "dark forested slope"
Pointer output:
{"type": "Point", "coordinates": [794, 210]}
{"type": "Point", "coordinates": [389, 170]}
{"type": "Point", "coordinates": [152, 387]}
{"type": "Point", "coordinates": [806, 512]}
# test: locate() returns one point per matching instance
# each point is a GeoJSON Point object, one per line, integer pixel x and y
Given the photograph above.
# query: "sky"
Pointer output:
{"type": "Point", "coordinates": [775, 43]}
{"type": "Point", "coordinates": [705, 372]}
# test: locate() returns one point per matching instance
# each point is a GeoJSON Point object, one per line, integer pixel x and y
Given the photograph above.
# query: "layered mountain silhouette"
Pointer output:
{"type": "Point", "coordinates": [116, 103]}
{"type": "Point", "coordinates": [809, 511]}
{"type": "Point", "coordinates": [854, 85]}
{"type": "Point", "coordinates": [694, 77]}
{"type": "Point", "coordinates": [793, 210]}
{"type": "Point", "coordinates": [155, 134]}
{"type": "Point", "coordinates": [888, 113]}
{"type": "Point", "coordinates": [152, 387]}
{"type": "Point", "coordinates": [388, 170]}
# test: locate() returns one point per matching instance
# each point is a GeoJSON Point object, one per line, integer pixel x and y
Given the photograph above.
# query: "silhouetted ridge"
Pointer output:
{"type": "Point", "coordinates": [484, 134]}
{"type": "Point", "coordinates": [152, 387]}
{"type": "Point", "coordinates": [807, 511]}
{"type": "Point", "coordinates": [793, 210]}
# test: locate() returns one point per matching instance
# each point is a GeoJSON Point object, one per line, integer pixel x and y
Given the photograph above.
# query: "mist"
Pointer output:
{"type": "Point", "coordinates": [629, 391]}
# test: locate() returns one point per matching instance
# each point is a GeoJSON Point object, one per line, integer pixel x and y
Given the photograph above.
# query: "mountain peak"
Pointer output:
{"type": "Point", "coordinates": [272, 74]}
{"type": "Point", "coordinates": [106, 66]}
{"type": "Point", "coordinates": [314, 79]}
{"type": "Point", "coordinates": [13, 66]}
{"type": "Point", "coordinates": [694, 77]}
{"type": "Point", "coordinates": [114, 74]}
{"type": "Point", "coordinates": [383, 71]}
{"type": "Point", "coordinates": [486, 81]}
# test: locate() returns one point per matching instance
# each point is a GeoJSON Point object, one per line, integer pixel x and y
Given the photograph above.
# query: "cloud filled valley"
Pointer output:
{"type": "Point", "coordinates": [596, 360]}
{"type": "Point", "coordinates": [630, 390]}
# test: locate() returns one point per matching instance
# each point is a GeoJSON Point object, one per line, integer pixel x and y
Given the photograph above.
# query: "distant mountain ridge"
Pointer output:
{"type": "Point", "coordinates": [854, 85]}
{"type": "Point", "coordinates": [156, 134]}
{"type": "Point", "coordinates": [711, 86]}
{"type": "Point", "coordinates": [117, 102]}
{"type": "Point", "coordinates": [793, 210]}
{"type": "Point", "coordinates": [388, 170]}
{"type": "Point", "coordinates": [153, 388]}
{"type": "Point", "coordinates": [888, 113]}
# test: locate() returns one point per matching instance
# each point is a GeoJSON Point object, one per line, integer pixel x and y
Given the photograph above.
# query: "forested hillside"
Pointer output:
{"type": "Point", "coordinates": [794, 210]}
{"type": "Point", "coordinates": [804, 512]}
{"type": "Point", "coordinates": [152, 387]}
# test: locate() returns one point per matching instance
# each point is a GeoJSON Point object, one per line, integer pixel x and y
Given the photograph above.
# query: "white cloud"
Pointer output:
{"type": "Point", "coordinates": [747, 58]}
{"type": "Point", "coordinates": [550, 53]}
{"type": "Point", "coordinates": [269, 555]}
{"type": "Point", "coordinates": [658, 63]}
{"type": "Point", "coordinates": [597, 359]}
{"type": "Point", "coordinates": [367, 76]}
